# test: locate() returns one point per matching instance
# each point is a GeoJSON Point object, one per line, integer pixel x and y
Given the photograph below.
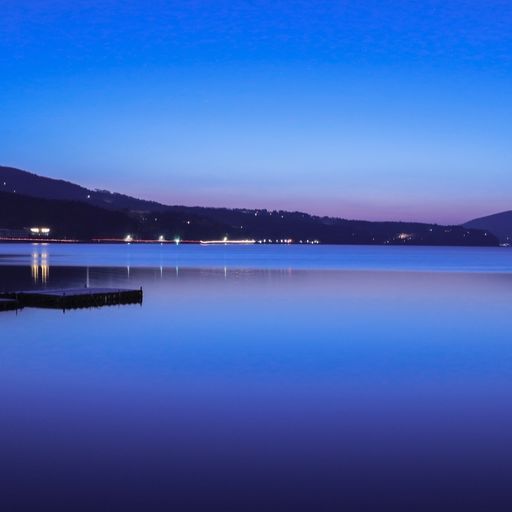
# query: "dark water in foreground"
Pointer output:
{"type": "Point", "coordinates": [268, 379]}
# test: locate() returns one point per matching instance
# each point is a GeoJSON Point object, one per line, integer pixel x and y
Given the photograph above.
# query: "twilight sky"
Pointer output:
{"type": "Point", "coordinates": [362, 109]}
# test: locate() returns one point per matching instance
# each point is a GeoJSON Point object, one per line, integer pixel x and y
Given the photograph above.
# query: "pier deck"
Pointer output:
{"type": "Point", "coordinates": [9, 304]}
{"type": "Point", "coordinates": [73, 298]}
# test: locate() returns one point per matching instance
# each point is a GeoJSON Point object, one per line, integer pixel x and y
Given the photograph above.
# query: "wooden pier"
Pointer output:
{"type": "Point", "coordinates": [9, 305]}
{"type": "Point", "coordinates": [74, 298]}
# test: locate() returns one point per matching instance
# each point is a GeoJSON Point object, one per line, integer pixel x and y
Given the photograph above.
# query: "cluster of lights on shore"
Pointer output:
{"type": "Point", "coordinates": [40, 231]}
{"type": "Point", "coordinates": [161, 239]}
{"type": "Point", "coordinates": [285, 241]}
{"type": "Point", "coordinates": [129, 238]}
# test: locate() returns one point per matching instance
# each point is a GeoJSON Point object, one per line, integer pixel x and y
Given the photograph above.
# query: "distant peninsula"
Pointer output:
{"type": "Point", "coordinates": [72, 212]}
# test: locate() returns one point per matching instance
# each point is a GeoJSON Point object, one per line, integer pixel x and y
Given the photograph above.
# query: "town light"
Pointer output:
{"type": "Point", "coordinates": [40, 231]}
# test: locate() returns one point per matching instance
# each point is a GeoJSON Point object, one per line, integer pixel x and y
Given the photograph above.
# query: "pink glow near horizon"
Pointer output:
{"type": "Point", "coordinates": [457, 212]}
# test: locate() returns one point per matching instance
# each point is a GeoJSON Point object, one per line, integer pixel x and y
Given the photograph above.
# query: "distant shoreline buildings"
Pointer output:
{"type": "Point", "coordinates": [32, 232]}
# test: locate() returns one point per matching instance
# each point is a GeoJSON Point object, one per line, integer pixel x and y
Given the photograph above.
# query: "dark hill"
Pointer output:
{"type": "Point", "coordinates": [67, 219]}
{"type": "Point", "coordinates": [29, 184]}
{"type": "Point", "coordinates": [499, 224]}
{"type": "Point", "coordinates": [76, 220]}
{"type": "Point", "coordinates": [74, 211]}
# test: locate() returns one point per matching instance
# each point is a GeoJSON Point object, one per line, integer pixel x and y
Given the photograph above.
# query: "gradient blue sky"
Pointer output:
{"type": "Point", "coordinates": [369, 109]}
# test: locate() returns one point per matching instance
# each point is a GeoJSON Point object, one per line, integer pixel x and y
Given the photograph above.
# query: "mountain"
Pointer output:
{"type": "Point", "coordinates": [73, 211]}
{"type": "Point", "coordinates": [26, 183]}
{"type": "Point", "coordinates": [81, 221]}
{"type": "Point", "coordinates": [68, 219]}
{"type": "Point", "coordinates": [499, 224]}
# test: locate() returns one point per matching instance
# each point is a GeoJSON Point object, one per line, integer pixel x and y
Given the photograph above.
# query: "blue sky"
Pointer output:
{"type": "Point", "coordinates": [361, 109]}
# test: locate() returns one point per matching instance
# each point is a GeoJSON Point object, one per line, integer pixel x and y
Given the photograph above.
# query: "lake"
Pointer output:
{"type": "Point", "coordinates": [268, 378]}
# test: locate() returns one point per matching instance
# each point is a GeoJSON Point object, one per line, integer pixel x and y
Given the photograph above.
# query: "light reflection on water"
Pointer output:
{"type": "Point", "coordinates": [40, 267]}
{"type": "Point", "coordinates": [448, 259]}
{"type": "Point", "coordinates": [243, 388]}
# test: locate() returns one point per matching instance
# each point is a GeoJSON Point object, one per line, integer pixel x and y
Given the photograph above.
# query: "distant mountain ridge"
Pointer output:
{"type": "Point", "coordinates": [29, 198]}
{"type": "Point", "coordinates": [499, 224]}
{"type": "Point", "coordinates": [29, 184]}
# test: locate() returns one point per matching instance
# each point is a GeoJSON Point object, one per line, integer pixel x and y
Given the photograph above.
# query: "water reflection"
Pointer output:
{"type": "Point", "coordinates": [240, 389]}
{"type": "Point", "coordinates": [456, 259]}
{"type": "Point", "coordinates": [40, 268]}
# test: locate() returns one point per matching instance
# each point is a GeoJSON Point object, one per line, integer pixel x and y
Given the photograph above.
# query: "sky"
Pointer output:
{"type": "Point", "coordinates": [380, 110]}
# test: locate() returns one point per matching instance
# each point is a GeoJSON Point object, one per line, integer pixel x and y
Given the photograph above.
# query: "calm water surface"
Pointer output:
{"type": "Point", "coordinates": [259, 378]}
